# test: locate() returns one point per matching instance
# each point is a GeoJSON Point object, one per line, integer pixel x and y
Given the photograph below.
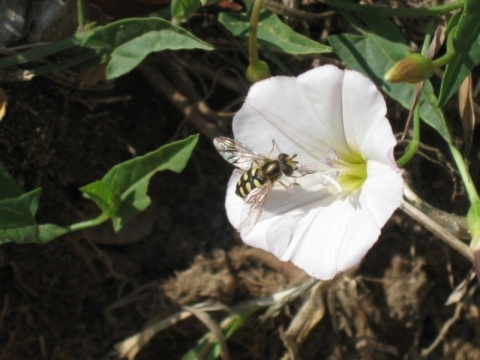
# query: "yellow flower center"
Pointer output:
{"type": "Point", "coordinates": [352, 171]}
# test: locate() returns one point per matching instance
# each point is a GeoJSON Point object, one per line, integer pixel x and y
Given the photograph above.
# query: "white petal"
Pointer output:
{"type": "Point", "coordinates": [302, 114]}
{"type": "Point", "coordinates": [317, 239]}
{"type": "Point", "coordinates": [233, 202]}
{"type": "Point", "coordinates": [300, 195]}
{"type": "Point", "coordinates": [380, 196]}
{"type": "Point", "coordinates": [333, 233]}
{"type": "Point", "coordinates": [366, 128]}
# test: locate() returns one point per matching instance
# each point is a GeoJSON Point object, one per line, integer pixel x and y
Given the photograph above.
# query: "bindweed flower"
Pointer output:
{"type": "Point", "coordinates": [413, 69]}
{"type": "Point", "coordinates": [336, 120]}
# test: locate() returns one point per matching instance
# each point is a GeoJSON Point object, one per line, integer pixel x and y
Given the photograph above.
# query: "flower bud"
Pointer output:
{"type": "Point", "coordinates": [413, 69]}
{"type": "Point", "coordinates": [259, 72]}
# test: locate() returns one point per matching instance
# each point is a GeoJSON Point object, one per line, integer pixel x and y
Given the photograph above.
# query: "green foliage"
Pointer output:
{"type": "Point", "coordinates": [122, 192]}
{"type": "Point", "coordinates": [17, 211]}
{"type": "Point", "coordinates": [125, 43]}
{"type": "Point", "coordinates": [17, 223]}
{"type": "Point", "coordinates": [473, 220]}
{"type": "Point", "coordinates": [467, 50]}
{"type": "Point", "coordinates": [273, 33]}
{"type": "Point", "coordinates": [129, 41]}
{"type": "Point", "coordinates": [374, 55]}
{"type": "Point", "coordinates": [183, 9]}
{"type": "Point", "coordinates": [38, 53]}
{"type": "Point", "coordinates": [17, 214]}
{"type": "Point", "coordinates": [8, 186]}
{"type": "Point", "coordinates": [48, 232]}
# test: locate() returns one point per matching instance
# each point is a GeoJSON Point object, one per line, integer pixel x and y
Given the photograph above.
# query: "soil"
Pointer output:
{"type": "Point", "coordinates": [80, 295]}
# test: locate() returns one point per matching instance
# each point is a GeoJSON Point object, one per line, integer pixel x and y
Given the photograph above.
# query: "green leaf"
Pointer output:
{"type": "Point", "coordinates": [122, 192]}
{"type": "Point", "coordinates": [127, 56]}
{"type": "Point", "coordinates": [183, 9]}
{"type": "Point", "coordinates": [88, 56]}
{"type": "Point", "coordinates": [272, 33]}
{"type": "Point", "coordinates": [33, 200]}
{"type": "Point", "coordinates": [8, 186]}
{"type": "Point", "coordinates": [129, 41]}
{"type": "Point", "coordinates": [467, 51]}
{"type": "Point", "coordinates": [43, 51]}
{"type": "Point", "coordinates": [453, 22]}
{"type": "Point", "coordinates": [373, 56]}
{"type": "Point", "coordinates": [103, 195]}
{"type": "Point", "coordinates": [48, 232]}
{"type": "Point", "coordinates": [382, 27]}
{"type": "Point", "coordinates": [17, 222]}
{"type": "Point", "coordinates": [17, 214]}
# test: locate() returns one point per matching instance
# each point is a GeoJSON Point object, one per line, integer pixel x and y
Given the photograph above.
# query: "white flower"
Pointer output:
{"type": "Point", "coordinates": [336, 119]}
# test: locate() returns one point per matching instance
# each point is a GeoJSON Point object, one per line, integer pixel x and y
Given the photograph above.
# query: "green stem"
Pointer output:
{"type": "Point", "coordinates": [464, 174]}
{"type": "Point", "coordinates": [88, 223]}
{"type": "Point", "coordinates": [252, 36]}
{"type": "Point", "coordinates": [81, 13]}
{"type": "Point", "coordinates": [428, 38]}
{"type": "Point", "coordinates": [415, 142]}
{"type": "Point", "coordinates": [443, 60]}
{"type": "Point", "coordinates": [457, 156]}
{"type": "Point", "coordinates": [379, 11]}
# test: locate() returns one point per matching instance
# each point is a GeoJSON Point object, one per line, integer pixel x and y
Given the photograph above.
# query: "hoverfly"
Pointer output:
{"type": "Point", "coordinates": [260, 175]}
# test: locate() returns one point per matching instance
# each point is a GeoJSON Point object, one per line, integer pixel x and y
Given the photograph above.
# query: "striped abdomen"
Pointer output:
{"type": "Point", "coordinates": [256, 178]}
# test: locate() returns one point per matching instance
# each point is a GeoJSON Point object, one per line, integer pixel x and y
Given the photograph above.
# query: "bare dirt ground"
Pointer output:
{"type": "Point", "coordinates": [78, 296]}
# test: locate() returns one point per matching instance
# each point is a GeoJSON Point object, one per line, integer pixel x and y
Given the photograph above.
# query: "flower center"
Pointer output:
{"type": "Point", "coordinates": [352, 175]}
{"type": "Point", "coordinates": [349, 171]}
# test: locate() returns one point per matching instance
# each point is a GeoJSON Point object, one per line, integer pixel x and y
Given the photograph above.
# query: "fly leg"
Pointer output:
{"type": "Point", "coordinates": [287, 186]}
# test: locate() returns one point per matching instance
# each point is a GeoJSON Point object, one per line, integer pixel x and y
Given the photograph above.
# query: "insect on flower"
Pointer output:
{"type": "Point", "coordinates": [260, 175]}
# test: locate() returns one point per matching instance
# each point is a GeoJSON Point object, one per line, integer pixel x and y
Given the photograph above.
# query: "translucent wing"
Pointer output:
{"type": "Point", "coordinates": [237, 153]}
{"type": "Point", "coordinates": [253, 208]}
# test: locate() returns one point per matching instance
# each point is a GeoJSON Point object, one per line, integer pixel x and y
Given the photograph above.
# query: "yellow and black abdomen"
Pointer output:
{"type": "Point", "coordinates": [258, 177]}
{"type": "Point", "coordinates": [250, 180]}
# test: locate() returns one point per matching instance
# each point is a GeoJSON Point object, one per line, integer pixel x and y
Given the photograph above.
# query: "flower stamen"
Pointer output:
{"type": "Point", "coordinates": [348, 172]}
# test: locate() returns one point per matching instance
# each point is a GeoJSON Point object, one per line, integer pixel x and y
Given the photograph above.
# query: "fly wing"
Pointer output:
{"type": "Point", "coordinates": [237, 153]}
{"type": "Point", "coordinates": [253, 208]}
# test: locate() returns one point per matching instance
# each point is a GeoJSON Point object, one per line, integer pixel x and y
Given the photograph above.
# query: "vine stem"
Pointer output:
{"type": "Point", "coordinates": [81, 13]}
{"type": "Point", "coordinates": [464, 174]}
{"type": "Point", "coordinates": [415, 142]}
{"type": "Point", "coordinates": [252, 37]}
{"type": "Point", "coordinates": [443, 60]}
{"type": "Point", "coordinates": [88, 223]}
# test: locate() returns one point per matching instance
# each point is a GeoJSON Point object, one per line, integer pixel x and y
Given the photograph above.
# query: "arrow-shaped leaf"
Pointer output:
{"type": "Point", "coordinates": [122, 192]}
{"type": "Point", "coordinates": [129, 41]}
